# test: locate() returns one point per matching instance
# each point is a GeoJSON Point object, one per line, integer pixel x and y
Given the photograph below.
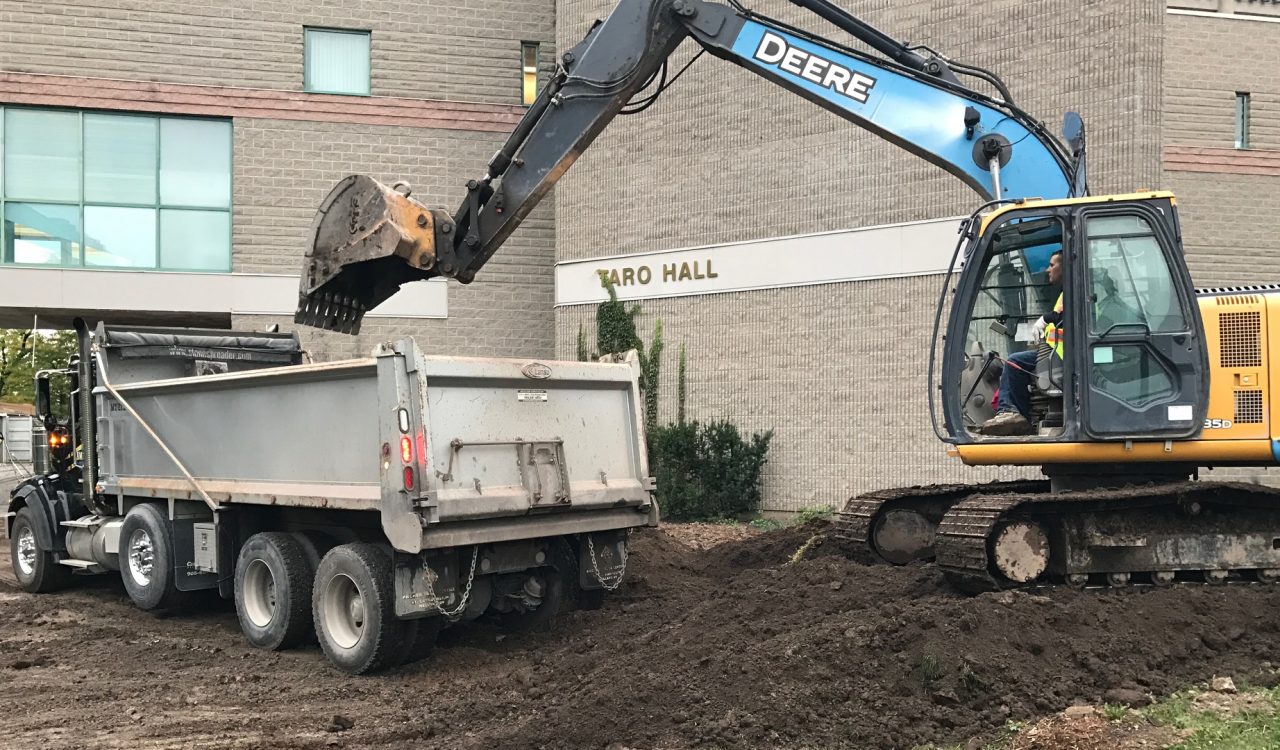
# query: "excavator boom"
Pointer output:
{"type": "Point", "coordinates": [368, 239]}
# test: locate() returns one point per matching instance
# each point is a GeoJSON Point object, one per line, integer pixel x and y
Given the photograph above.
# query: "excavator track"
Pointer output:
{"type": "Point", "coordinates": [1160, 534]}
{"type": "Point", "coordinates": [856, 524]}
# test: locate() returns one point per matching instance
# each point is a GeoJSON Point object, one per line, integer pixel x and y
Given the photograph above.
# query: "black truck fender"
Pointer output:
{"type": "Point", "coordinates": [50, 508]}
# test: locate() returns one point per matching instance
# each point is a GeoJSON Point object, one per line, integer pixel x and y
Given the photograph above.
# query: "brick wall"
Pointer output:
{"type": "Point", "coordinates": [837, 370]}
{"type": "Point", "coordinates": [245, 61]}
{"type": "Point", "coordinates": [1227, 199]}
{"type": "Point", "coordinates": [438, 50]}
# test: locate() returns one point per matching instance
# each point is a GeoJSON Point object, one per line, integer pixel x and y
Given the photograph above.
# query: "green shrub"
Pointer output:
{"type": "Point", "coordinates": [707, 471]}
{"type": "Point", "coordinates": [673, 461]}
{"type": "Point", "coordinates": [812, 513]}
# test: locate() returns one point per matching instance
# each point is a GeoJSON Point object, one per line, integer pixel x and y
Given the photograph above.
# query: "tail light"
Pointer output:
{"type": "Point", "coordinates": [406, 449]}
{"type": "Point", "coordinates": [408, 477]}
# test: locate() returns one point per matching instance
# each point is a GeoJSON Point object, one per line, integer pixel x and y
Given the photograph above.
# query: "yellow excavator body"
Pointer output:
{"type": "Point", "coordinates": [1242, 335]}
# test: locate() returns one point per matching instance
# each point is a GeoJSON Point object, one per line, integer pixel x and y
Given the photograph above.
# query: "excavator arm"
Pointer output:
{"type": "Point", "coordinates": [368, 240]}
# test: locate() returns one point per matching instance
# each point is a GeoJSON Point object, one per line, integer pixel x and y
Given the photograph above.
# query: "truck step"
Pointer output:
{"type": "Point", "coordinates": [87, 522]}
{"type": "Point", "coordinates": [87, 565]}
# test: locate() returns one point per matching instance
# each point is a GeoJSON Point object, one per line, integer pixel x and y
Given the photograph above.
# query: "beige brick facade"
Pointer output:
{"type": "Point", "coordinates": [446, 49]}
{"type": "Point", "coordinates": [445, 79]}
{"type": "Point", "coordinates": [1231, 220]}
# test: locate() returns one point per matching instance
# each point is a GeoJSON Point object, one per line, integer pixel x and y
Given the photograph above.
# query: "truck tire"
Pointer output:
{"type": "Point", "coordinates": [273, 591]}
{"type": "Point", "coordinates": [33, 565]}
{"type": "Point", "coordinates": [353, 605]}
{"type": "Point", "coordinates": [147, 559]}
{"type": "Point", "coordinates": [558, 576]}
{"type": "Point", "coordinates": [311, 548]}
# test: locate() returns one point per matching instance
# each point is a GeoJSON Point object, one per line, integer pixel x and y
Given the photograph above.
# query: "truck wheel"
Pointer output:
{"type": "Point", "coordinates": [146, 559]}
{"type": "Point", "coordinates": [273, 591]}
{"type": "Point", "coordinates": [311, 548]}
{"type": "Point", "coordinates": [34, 566]}
{"type": "Point", "coordinates": [556, 577]}
{"type": "Point", "coordinates": [354, 609]}
{"type": "Point", "coordinates": [420, 638]}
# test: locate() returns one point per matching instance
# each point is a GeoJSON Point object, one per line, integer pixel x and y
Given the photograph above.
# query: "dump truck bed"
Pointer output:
{"type": "Point", "coordinates": [449, 450]}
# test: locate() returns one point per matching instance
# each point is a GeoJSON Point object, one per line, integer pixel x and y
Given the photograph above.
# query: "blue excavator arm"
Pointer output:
{"type": "Point", "coordinates": [368, 240]}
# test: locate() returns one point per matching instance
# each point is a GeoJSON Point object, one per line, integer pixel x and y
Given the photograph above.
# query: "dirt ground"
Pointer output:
{"type": "Point", "coordinates": [726, 647]}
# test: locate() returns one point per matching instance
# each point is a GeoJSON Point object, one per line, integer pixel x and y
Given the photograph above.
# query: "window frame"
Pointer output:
{"type": "Point", "coordinates": [526, 71]}
{"type": "Point", "coordinates": [158, 206]}
{"type": "Point", "coordinates": [1244, 102]}
{"type": "Point", "coordinates": [306, 57]}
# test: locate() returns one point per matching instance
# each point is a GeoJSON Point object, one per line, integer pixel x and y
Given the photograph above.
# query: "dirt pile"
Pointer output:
{"type": "Point", "coordinates": [734, 646]}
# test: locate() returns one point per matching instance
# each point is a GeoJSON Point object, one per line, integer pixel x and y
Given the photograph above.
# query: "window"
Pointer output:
{"type": "Point", "coordinates": [1129, 280]}
{"type": "Point", "coordinates": [1242, 119]}
{"type": "Point", "coordinates": [89, 189]}
{"type": "Point", "coordinates": [336, 61]}
{"type": "Point", "coordinates": [1015, 289]}
{"type": "Point", "coordinates": [1132, 293]}
{"type": "Point", "coordinates": [529, 72]}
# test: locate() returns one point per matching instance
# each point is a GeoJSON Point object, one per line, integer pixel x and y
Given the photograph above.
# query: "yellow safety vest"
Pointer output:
{"type": "Point", "coordinates": [1053, 331]}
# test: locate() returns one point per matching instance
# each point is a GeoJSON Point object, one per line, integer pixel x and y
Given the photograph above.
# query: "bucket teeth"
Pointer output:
{"type": "Point", "coordinates": [329, 311]}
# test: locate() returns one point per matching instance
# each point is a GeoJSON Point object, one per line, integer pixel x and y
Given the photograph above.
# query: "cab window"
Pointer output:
{"type": "Point", "coordinates": [1014, 291]}
{"type": "Point", "coordinates": [1129, 281]}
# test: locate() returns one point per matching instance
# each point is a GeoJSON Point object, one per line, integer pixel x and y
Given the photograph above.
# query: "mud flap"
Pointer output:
{"type": "Point", "coordinates": [426, 583]}
{"type": "Point", "coordinates": [609, 561]}
{"type": "Point", "coordinates": [187, 577]}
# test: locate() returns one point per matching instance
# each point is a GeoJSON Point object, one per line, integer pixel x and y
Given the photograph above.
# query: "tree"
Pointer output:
{"type": "Point", "coordinates": [23, 353]}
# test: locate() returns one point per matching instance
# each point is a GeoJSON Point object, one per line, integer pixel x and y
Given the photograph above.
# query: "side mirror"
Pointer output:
{"type": "Point", "coordinates": [43, 408]}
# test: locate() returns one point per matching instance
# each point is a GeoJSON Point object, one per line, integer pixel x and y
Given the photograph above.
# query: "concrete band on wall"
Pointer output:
{"type": "Point", "coordinates": [889, 251]}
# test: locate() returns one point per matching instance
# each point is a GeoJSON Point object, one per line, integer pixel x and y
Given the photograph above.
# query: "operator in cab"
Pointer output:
{"type": "Point", "coordinates": [1013, 402]}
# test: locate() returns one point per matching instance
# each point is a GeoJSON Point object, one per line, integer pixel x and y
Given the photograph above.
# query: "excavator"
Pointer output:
{"type": "Point", "coordinates": [1149, 380]}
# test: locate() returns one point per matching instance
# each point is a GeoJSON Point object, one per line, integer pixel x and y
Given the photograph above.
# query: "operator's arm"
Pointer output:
{"type": "Point", "coordinates": [368, 240]}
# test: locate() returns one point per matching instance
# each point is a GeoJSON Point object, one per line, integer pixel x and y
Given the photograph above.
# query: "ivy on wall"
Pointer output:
{"type": "Point", "coordinates": [703, 471]}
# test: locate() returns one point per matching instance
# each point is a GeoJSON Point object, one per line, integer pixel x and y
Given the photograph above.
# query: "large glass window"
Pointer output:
{"type": "Point", "coordinates": [335, 61]}
{"type": "Point", "coordinates": [115, 190]}
{"type": "Point", "coordinates": [42, 155]}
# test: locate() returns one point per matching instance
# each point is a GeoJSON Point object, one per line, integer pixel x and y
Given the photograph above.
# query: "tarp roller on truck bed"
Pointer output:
{"type": "Point", "coordinates": [450, 450]}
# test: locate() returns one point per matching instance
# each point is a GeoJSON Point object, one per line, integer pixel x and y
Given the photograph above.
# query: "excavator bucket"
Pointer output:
{"type": "Point", "coordinates": [366, 241]}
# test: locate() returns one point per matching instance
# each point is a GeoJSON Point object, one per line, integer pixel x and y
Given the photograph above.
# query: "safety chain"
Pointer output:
{"type": "Point", "coordinates": [466, 593]}
{"type": "Point", "coordinates": [614, 580]}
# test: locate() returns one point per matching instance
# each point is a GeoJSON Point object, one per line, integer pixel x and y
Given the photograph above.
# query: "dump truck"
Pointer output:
{"type": "Point", "coordinates": [364, 503]}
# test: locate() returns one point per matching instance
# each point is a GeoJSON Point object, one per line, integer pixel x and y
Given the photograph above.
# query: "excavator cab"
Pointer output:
{"type": "Point", "coordinates": [1133, 365]}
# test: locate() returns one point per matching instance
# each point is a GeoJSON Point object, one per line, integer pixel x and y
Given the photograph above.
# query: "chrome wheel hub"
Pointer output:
{"type": "Point", "coordinates": [26, 551]}
{"type": "Point", "coordinates": [141, 556]}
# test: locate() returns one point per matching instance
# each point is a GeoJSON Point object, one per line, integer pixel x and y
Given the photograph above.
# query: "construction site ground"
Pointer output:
{"type": "Point", "coordinates": [722, 642]}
